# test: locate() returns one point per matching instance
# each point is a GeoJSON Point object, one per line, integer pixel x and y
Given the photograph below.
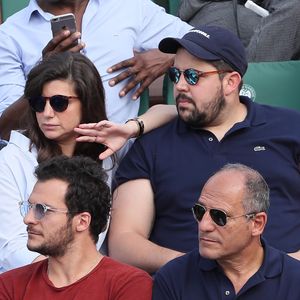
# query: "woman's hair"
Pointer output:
{"type": "Point", "coordinates": [81, 72]}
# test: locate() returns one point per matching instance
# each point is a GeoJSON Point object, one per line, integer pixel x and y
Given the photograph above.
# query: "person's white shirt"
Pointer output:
{"type": "Point", "coordinates": [111, 30]}
{"type": "Point", "coordinates": [16, 184]}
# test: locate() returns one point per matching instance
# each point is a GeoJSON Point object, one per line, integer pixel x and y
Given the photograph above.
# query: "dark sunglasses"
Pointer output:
{"type": "Point", "coordinates": [218, 216]}
{"type": "Point", "coordinates": [191, 76]}
{"type": "Point", "coordinates": [59, 103]}
{"type": "Point", "coordinates": [39, 209]}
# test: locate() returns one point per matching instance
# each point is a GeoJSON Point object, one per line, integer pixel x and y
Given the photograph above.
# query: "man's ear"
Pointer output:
{"type": "Point", "coordinates": [231, 82]}
{"type": "Point", "coordinates": [82, 221]}
{"type": "Point", "coordinates": [259, 222]}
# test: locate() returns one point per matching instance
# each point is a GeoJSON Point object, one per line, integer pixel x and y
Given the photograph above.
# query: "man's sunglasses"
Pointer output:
{"type": "Point", "coordinates": [218, 216]}
{"type": "Point", "coordinates": [191, 76]}
{"type": "Point", "coordinates": [39, 209]}
{"type": "Point", "coordinates": [59, 103]}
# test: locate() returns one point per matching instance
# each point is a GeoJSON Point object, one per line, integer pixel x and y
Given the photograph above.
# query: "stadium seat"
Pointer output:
{"type": "Point", "coordinates": [171, 6]}
{"type": "Point", "coordinates": [273, 83]}
{"type": "Point", "coordinates": [144, 102]}
{"type": "Point", "coordinates": [9, 7]}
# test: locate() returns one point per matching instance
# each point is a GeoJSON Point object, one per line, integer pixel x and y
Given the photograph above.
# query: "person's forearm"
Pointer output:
{"type": "Point", "coordinates": [135, 250]}
{"type": "Point", "coordinates": [12, 118]}
{"type": "Point", "coordinates": [158, 115]}
{"type": "Point", "coordinates": [154, 117]}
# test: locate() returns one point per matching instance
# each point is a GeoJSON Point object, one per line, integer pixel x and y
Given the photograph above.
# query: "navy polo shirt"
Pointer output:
{"type": "Point", "coordinates": [178, 160]}
{"type": "Point", "coordinates": [192, 277]}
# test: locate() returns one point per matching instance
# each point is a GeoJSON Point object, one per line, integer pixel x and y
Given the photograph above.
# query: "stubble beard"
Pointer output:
{"type": "Point", "coordinates": [57, 243]}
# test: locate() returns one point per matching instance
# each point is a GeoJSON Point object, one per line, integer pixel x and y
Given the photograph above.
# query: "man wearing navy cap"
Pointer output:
{"type": "Point", "coordinates": [160, 179]}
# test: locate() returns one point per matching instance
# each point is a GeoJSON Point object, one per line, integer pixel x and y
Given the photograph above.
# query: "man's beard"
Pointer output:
{"type": "Point", "coordinates": [206, 117]}
{"type": "Point", "coordinates": [57, 243]}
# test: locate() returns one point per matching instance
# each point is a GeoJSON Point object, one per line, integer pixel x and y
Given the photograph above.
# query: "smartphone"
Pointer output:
{"type": "Point", "coordinates": [66, 21]}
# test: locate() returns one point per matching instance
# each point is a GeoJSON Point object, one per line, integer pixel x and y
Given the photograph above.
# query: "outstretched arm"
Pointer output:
{"type": "Point", "coordinates": [114, 136]}
{"type": "Point", "coordinates": [132, 218]}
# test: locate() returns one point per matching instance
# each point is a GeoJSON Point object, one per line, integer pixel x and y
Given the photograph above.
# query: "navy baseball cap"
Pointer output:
{"type": "Point", "coordinates": [210, 43]}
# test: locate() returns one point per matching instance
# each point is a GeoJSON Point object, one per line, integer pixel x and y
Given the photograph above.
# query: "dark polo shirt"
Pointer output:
{"type": "Point", "coordinates": [192, 277]}
{"type": "Point", "coordinates": [178, 160]}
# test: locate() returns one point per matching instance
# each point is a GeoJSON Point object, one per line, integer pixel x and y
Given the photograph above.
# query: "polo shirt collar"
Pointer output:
{"type": "Point", "coordinates": [255, 115]}
{"type": "Point", "coordinates": [272, 265]}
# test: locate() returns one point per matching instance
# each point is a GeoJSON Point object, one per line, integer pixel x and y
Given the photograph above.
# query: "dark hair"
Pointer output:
{"type": "Point", "coordinates": [256, 189]}
{"type": "Point", "coordinates": [79, 70]}
{"type": "Point", "coordinates": [222, 65]}
{"type": "Point", "coordinates": [87, 189]}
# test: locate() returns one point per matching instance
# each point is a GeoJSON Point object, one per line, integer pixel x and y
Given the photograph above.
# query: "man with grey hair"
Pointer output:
{"type": "Point", "coordinates": [233, 259]}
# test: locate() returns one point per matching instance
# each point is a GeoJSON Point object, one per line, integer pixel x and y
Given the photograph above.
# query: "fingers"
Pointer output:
{"type": "Point", "coordinates": [87, 125]}
{"type": "Point", "coordinates": [98, 126]}
{"type": "Point", "coordinates": [121, 65]}
{"type": "Point", "coordinates": [108, 152]}
{"type": "Point", "coordinates": [123, 75]}
{"type": "Point", "coordinates": [131, 70]}
{"type": "Point", "coordinates": [63, 41]}
{"type": "Point", "coordinates": [87, 132]}
{"type": "Point", "coordinates": [104, 124]}
{"type": "Point", "coordinates": [88, 139]}
{"type": "Point", "coordinates": [144, 85]}
{"type": "Point", "coordinates": [132, 84]}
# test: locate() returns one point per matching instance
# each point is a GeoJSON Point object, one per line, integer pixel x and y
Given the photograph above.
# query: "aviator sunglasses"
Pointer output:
{"type": "Point", "coordinates": [59, 103]}
{"type": "Point", "coordinates": [218, 216]}
{"type": "Point", "coordinates": [39, 209]}
{"type": "Point", "coordinates": [191, 76]}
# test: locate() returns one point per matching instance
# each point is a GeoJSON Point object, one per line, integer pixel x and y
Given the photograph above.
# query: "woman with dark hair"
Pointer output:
{"type": "Point", "coordinates": [64, 91]}
{"type": "Point", "coordinates": [75, 92]}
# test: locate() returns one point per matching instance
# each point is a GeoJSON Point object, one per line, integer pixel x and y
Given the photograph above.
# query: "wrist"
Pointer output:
{"type": "Point", "coordinates": [139, 126]}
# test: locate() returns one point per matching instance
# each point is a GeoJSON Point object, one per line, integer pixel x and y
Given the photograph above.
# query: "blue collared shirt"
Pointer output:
{"type": "Point", "coordinates": [111, 31]}
{"type": "Point", "coordinates": [192, 277]}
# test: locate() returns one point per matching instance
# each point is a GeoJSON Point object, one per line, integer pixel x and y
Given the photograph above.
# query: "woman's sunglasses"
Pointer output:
{"type": "Point", "coordinates": [218, 216]}
{"type": "Point", "coordinates": [191, 76]}
{"type": "Point", "coordinates": [59, 103]}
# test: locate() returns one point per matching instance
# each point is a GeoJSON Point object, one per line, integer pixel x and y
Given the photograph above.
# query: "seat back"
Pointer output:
{"type": "Point", "coordinates": [9, 7]}
{"type": "Point", "coordinates": [171, 6]}
{"type": "Point", "coordinates": [144, 102]}
{"type": "Point", "coordinates": [273, 83]}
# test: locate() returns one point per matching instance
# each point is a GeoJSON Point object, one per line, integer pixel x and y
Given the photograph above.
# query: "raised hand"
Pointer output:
{"type": "Point", "coordinates": [63, 41]}
{"type": "Point", "coordinates": [143, 69]}
{"type": "Point", "coordinates": [110, 134]}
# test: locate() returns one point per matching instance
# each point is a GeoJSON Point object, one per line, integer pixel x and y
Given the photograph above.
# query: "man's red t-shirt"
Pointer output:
{"type": "Point", "coordinates": [108, 280]}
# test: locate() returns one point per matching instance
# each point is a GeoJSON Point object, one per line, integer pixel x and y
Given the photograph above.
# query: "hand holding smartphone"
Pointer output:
{"type": "Point", "coordinates": [64, 22]}
{"type": "Point", "coordinates": [61, 42]}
